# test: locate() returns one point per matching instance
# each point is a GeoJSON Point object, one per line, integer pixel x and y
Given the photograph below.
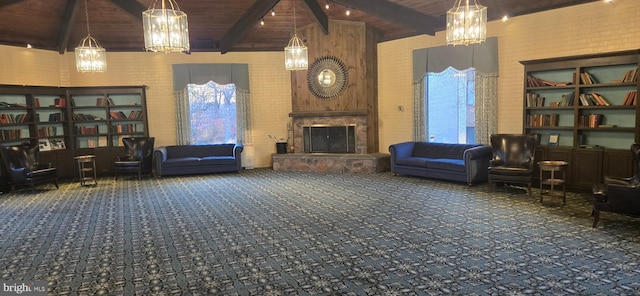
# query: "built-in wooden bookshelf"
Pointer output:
{"type": "Point", "coordinates": [72, 121]}
{"type": "Point", "coordinates": [589, 103]}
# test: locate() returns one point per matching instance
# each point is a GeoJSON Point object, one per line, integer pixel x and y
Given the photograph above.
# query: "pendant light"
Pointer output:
{"type": "Point", "coordinates": [295, 54]}
{"type": "Point", "coordinates": [165, 27]}
{"type": "Point", "coordinates": [466, 24]}
{"type": "Point", "coordinates": [90, 56]}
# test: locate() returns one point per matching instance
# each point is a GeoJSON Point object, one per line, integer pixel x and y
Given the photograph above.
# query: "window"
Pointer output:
{"type": "Point", "coordinates": [450, 106]}
{"type": "Point", "coordinates": [212, 109]}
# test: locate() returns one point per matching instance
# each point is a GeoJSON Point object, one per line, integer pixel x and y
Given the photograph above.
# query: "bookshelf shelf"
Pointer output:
{"type": "Point", "coordinates": [50, 119]}
{"type": "Point", "coordinates": [596, 98]}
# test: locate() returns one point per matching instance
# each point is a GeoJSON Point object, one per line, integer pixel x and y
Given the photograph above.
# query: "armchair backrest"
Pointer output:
{"type": "Point", "coordinates": [21, 156]}
{"type": "Point", "coordinates": [513, 150]}
{"type": "Point", "coordinates": [140, 148]}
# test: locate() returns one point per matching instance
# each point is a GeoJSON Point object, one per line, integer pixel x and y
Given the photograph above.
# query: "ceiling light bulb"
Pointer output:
{"type": "Point", "coordinates": [326, 4]}
{"type": "Point", "coordinates": [505, 18]}
{"type": "Point", "coordinates": [262, 21]}
{"type": "Point", "coordinates": [273, 12]}
{"type": "Point", "coordinates": [348, 12]}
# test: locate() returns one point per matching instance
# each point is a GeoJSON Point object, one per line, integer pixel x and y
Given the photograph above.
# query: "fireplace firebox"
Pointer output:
{"type": "Point", "coordinates": [329, 139]}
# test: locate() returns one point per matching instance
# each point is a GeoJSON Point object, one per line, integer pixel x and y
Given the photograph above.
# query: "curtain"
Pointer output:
{"type": "Point", "coordinates": [183, 126]}
{"type": "Point", "coordinates": [419, 119]}
{"type": "Point", "coordinates": [486, 106]}
{"type": "Point", "coordinates": [483, 58]}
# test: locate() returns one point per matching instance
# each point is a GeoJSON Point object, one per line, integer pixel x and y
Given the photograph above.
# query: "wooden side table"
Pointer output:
{"type": "Point", "coordinates": [86, 169]}
{"type": "Point", "coordinates": [553, 174]}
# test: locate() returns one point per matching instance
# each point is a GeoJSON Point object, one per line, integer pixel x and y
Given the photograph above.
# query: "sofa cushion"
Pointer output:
{"type": "Point", "coordinates": [181, 162]}
{"type": "Point", "coordinates": [200, 150]}
{"type": "Point", "coordinates": [440, 150]}
{"type": "Point", "coordinates": [454, 165]}
{"type": "Point", "coordinates": [218, 160]}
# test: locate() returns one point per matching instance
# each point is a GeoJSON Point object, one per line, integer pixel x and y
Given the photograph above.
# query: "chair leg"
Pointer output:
{"type": "Point", "coordinates": [490, 187]}
{"type": "Point", "coordinates": [529, 188]}
{"type": "Point", "coordinates": [596, 217]}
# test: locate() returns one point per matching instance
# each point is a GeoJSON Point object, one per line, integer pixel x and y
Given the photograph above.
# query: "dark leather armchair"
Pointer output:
{"type": "Point", "coordinates": [619, 195]}
{"type": "Point", "coordinates": [22, 169]}
{"type": "Point", "coordinates": [138, 156]}
{"type": "Point", "coordinates": [512, 160]}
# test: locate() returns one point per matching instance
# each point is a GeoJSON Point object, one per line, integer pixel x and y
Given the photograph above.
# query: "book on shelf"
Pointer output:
{"type": "Point", "coordinates": [36, 102]}
{"type": "Point", "coordinates": [630, 75]}
{"type": "Point", "coordinates": [102, 141]}
{"type": "Point", "coordinates": [533, 81]}
{"type": "Point", "coordinates": [602, 101]}
{"type": "Point", "coordinates": [91, 143]}
{"type": "Point", "coordinates": [535, 100]}
{"type": "Point", "coordinates": [587, 78]}
{"type": "Point", "coordinates": [591, 120]}
{"type": "Point", "coordinates": [630, 99]}
{"type": "Point", "coordinates": [543, 120]}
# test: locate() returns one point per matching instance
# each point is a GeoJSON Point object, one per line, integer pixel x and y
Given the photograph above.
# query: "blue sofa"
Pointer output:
{"type": "Point", "coordinates": [197, 159]}
{"type": "Point", "coordinates": [455, 162]}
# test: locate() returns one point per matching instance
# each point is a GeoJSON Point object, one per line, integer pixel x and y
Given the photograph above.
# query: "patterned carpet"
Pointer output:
{"type": "Point", "coordinates": [263, 232]}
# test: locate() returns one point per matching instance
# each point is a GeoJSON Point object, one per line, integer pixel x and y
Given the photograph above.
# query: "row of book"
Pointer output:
{"type": "Point", "coordinates": [10, 134]}
{"type": "Point", "coordinates": [590, 120]}
{"type": "Point", "coordinates": [534, 100]}
{"type": "Point", "coordinates": [585, 78]}
{"type": "Point", "coordinates": [538, 120]}
{"type": "Point", "coordinates": [86, 130]}
{"type": "Point", "coordinates": [630, 76]}
{"type": "Point", "coordinates": [134, 114]}
{"type": "Point", "coordinates": [123, 128]}
{"type": "Point", "coordinates": [12, 105]}
{"type": "Point", "coordinates": [631, 99]}
{"type": "Point", "coordinates": [105, 101]}
{"type": "Point", "coordinates": [593, 99]}
{"type": "Point", "coordinates": [47, 131]}
{"type": "Point", "coordinates": [14, 118]}
{"type": "Point", "coordinates": [57, 102]}
{"type": "Point", "coordinates": [80, 117]}
{"type": "Point", "coordinates": [533, 81]}
{"type": "Point", "coordinates": [101, 142]}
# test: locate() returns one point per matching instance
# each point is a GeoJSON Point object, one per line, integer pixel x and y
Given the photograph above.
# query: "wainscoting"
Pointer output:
{"type": "Point", "coordinates": [332, 162]}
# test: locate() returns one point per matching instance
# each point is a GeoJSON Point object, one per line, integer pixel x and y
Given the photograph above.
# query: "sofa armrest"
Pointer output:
{"type": "Point", "coordinates": [237, 150]}
{"type": "Point", "coordinates": [159, 157]}
{"type": "Point", "coordinates": [400, 150]}
{"type": "Point", "coordinates": [476, 163]}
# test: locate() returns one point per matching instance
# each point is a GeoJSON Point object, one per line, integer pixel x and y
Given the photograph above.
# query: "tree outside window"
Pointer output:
{"type": "Point", "coordinates": [212, 109]}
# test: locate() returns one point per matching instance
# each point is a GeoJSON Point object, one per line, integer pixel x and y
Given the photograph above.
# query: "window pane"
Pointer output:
{"type": "Point", "coordinates": [450, 106]}
{"type": "Point", "coordinates": [213, 113]}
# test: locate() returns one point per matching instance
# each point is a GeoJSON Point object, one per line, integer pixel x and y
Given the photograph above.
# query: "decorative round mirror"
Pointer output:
{"type": "Point", "coordinates": [327, 77]}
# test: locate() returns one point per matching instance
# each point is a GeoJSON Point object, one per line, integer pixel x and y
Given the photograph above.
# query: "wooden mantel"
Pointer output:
{"type": "Point", "coordinates": [329, 113]}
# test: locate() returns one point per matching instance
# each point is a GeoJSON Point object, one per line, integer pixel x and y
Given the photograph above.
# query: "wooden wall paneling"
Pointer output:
{"type": "Point", "coordinates": [618, 163]}
{"type": "Point", "coordinates": [587, 165]}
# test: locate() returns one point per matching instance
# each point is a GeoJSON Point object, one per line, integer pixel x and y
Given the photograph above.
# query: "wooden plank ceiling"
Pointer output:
{"type": "Point", "coordinates": [230, 25]}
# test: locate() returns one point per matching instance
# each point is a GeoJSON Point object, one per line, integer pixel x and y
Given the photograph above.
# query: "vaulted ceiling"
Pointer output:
{"type": "Point", "coordinates": [230, 25]}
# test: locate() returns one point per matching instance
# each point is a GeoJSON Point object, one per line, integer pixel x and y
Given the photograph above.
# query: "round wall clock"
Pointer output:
{"type": "Point", "coordinates": [327, 77]}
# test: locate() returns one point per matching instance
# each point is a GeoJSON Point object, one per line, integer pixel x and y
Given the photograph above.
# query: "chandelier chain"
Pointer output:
{"type": "Point", "coordinates": [86, 14]}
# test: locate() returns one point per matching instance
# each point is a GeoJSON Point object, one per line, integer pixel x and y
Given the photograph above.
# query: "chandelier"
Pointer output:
{"type": "Point", "coordinates": [466, 24]}
{"type": "Point", "coordinates": [165, 27]}
{"type": "Point", "coordinates": [90, 56]}
{"type": "Point", "coordinates": [295, 54]}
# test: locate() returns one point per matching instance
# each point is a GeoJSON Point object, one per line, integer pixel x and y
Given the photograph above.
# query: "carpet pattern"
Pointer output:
{"type": "Point", "coordinates": [264, 232]}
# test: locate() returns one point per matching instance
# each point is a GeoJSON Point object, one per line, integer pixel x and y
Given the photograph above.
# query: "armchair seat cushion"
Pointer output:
{"type": "Point", "coordinates": [128, 163]}
{"type": "Point", "coordinates": [509, 171]}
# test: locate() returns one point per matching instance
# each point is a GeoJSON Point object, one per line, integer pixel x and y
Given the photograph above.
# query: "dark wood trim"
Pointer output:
{"type": "Point", "coordinates": [319, 15]}
{"type": "Point", "coordinates": [133, 8]}
{"type": "Point", "coordinates": [396, 14]}
{"type": "Point", "coordinates": [66, 24]}
{"type": "Point", "coordinates": [246, 21]}
{"type": "Point", "coordinates": [329, 113]}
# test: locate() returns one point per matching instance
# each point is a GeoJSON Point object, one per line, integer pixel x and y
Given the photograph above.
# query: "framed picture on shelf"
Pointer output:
{"type": "Point", "coordinates": [553, 139]}
{"type": "Point", "coordinates": [57, 144]}
{"type": "Point", "coordinates": [44, 145]}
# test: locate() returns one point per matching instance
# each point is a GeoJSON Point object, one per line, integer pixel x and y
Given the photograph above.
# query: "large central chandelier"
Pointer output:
{"type": "Point", "coordinates": [466, 24]}
{"type": "Point", "coordinates": [90, 56]}
{"type": "Point", "coordinates": [165, 27]}
{"type": "Point", "coordinates": [295, 54]}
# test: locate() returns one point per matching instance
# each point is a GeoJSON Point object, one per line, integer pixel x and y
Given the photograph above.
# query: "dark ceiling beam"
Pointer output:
{"type": "Point", "coordinates": [66, 24]}
{"type": "Point", "coordinates": [134, 8]}
{"type": "Point", "coordinates": [319, 15]}
{"type": "Point", "coordinates": [4, 3]}
{"type": "Point", "coordinates": [246, 22]}
{"type": "Point", "coordinates": [396, 14]}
